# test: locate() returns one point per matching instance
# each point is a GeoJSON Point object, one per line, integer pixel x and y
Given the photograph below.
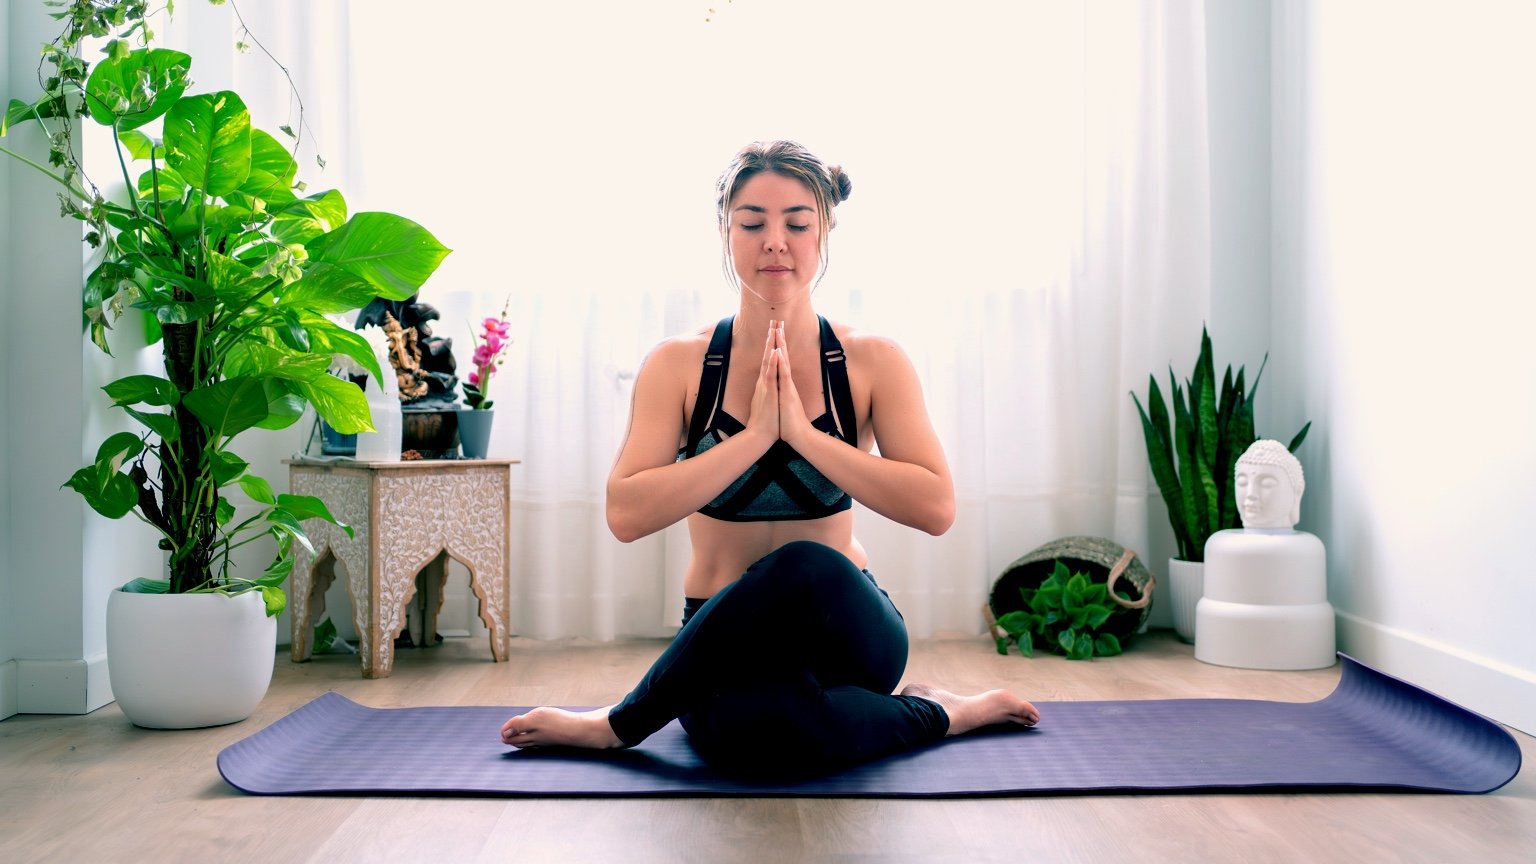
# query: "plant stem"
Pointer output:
{"type": "Point", "coordinates": [122, 164]}
{"type": "Point", "coordinates": [80, 194]}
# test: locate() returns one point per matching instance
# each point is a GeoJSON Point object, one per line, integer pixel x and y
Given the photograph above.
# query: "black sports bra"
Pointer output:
{"type": "Point", "coordinates": [781, 485]}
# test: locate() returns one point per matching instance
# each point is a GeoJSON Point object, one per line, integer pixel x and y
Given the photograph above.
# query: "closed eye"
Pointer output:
{"type": "Point", "coordinates": [799, 228]}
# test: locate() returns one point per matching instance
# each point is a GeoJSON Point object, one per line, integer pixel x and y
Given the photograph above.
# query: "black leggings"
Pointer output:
{"type": "Point", "coordinates": [787, 671]}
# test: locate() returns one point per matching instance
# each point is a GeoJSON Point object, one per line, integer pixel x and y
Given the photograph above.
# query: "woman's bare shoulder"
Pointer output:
{"type": "Point", "coordinates": [867, 347]}
{"type": "Point", "coordinates": [675, 354]}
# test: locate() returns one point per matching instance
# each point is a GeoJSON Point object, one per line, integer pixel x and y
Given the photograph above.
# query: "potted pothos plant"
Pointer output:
{"type": "Point", "coordinates": [1192, 460]}
{"type": "Point", "coordinates": [236, 270]}
{"type": "Point", "coordinates": [1065, 614]}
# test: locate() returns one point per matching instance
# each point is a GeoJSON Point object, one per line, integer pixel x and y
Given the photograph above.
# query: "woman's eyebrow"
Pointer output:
{"type": "Point", "coordinates": [795, 209]}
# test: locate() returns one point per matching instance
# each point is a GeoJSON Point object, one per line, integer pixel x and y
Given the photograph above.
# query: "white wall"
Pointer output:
{"type": "Point", "coordinates": [1237, 96]}
{"type": "Point", "coordinates": [1404, 171]}
{"type": "Point", "coordinates": [58, 657]}
{"type": "Point", "coordinates": [7, 648]}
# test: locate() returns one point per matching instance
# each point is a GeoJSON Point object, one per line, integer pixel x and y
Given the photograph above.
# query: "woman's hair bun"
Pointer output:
{"type": "Point", "coordinates": [841, 185]}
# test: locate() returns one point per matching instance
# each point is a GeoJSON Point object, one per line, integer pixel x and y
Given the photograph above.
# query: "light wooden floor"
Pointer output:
{"type": "Point", "coordinates": [94, 788]}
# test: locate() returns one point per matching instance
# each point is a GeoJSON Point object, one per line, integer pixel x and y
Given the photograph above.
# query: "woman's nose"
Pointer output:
{"type": "Point", "coordinates": [775, 241]}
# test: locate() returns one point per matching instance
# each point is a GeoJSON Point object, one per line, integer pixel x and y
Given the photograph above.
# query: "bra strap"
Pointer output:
{"type": "Point", "coordinates": [717, 361]}
{"type": "Point", "coordinates": [834, 372]}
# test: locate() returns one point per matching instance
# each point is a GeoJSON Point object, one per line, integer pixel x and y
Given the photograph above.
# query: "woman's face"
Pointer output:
{"type": "Point", "coordinates": [774, 234]}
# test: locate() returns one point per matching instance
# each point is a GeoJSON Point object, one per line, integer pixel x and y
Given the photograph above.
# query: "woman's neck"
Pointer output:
{"type": "Point", "coordinates": [799, 318]}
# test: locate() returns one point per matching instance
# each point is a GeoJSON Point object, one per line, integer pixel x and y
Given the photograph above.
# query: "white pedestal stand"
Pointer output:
{"type": "Point", "coordinates": [1265, 604]}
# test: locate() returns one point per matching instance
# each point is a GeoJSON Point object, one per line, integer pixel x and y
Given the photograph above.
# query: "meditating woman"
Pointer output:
{"type": "Point", "coordinates": [758, 431]}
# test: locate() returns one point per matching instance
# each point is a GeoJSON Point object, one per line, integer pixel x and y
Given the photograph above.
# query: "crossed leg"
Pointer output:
{"type": "Point", "coordinates": [794, 663]}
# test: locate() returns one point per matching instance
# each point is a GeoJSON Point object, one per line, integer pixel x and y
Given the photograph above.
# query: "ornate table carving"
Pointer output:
{"type": "Point", "coordinates": [407, 518]}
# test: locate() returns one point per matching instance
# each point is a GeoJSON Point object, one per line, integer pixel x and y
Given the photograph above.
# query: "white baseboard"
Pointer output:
{"type": "Point", "coordinates": [62, 686]}
{"type": "Point", "coordinates": [1496, 690]}
{"type": "Point", "coordinates": [8, 689]}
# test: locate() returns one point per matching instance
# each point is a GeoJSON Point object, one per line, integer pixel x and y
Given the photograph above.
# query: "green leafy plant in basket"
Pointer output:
{"type": "Point", "coordinates": [235, 270]}
{"type": "Point", "coordinates": [1193, 457]}
{"type": "Point", "coordinates": [1062, 615]}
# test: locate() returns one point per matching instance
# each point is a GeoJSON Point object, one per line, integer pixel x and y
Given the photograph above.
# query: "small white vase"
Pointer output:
{"type": "Point", "coordinates": [1186, 581]}
{"type": "Point", "coordinates": [182, 661]}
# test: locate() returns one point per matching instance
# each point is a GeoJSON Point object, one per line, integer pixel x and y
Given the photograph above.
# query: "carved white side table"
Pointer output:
{"type": "Point", "coordinates": [408, 518]}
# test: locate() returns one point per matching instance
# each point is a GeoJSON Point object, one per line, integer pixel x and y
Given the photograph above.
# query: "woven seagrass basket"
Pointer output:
{"type": "Point", "coordinates": [1104, 561]}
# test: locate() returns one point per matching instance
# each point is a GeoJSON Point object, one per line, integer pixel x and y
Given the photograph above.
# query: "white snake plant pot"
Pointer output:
{"type": "Point", "coordinates": [1186, 584]}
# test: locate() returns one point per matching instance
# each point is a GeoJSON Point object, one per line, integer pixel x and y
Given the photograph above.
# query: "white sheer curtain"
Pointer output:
{"type": "Point", "coordinates": [1029, 218]}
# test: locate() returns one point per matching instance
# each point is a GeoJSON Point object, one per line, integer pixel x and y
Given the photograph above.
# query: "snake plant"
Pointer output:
{"type": "Point", "coordinates": [1193, 458]}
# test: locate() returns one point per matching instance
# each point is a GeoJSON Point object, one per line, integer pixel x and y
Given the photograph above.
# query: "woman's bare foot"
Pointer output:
{"type": "Point", "coordinates": [972, 712]}
{"type": "Point", "coordinates": [550, 726]}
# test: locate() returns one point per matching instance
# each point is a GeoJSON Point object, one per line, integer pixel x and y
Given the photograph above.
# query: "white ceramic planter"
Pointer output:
{"type": "Point", "coordinates": [1186, 584]}
{"type": "Point", "coordinates": [181, 661]}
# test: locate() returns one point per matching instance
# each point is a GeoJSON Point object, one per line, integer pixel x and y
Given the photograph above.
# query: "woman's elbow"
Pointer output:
{"type": "Point", "coordinates": [622, 530]}
{"type": "Point", "coordinates": [940, 524]}
{"type": "Point", "coordinates": [938, 516]}
{"type": "Point", "coordinates": [625, 525]}
{"type": "Point", "coordinates": [622, 521]}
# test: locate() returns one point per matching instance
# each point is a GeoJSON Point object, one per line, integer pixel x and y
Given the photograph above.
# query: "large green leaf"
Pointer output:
{"type": "Point", "coordinates": [265, 360]}
{"type": "Point", "coordinates": [118, 448]}
{"type": "Point", "coordinates": [284, 406]}
{"type": "Point", "coordinates": [208, 141]}
{"type": "Point", "coordinates": [258, 489]}
{"type": "Point", "coordinates": [305, 219]}
{"type": "Point", "coordinates": [277, 571]}
{"type": "Point", "coordinates": [393, 254]}
{"type": "Point", "coordinates": [232, 282]}
{"type": "Point", "coordinates": [283, 522]}
{"type": "Point", "coordinates": [226, 466]}
{"type": "Point", "coordinates": [163, 425]}
{"type": "Point", "coordinates": [267, 188]}
{"type": "Point", "coordinates": [305, 507]}
{"type": "Point", "coordinates": [140, 146]}
{"type": "Point", "coordinates": [171, 187]}
{"type": "Point", "coordinates": [327, 288]}
{"type": "Point", "coordinates": [229, 407]}
{"type": "Point", "coordinates": [269, 155]}
{"type": "Point", "coordinates": [17, 111]}
{"type": "Point", "coordinates": [339, 403]}
{"type": "Point", "coordinates": [223, 511]}
{"type": "Point", "coordinates": [326, 337]}
{"type": "Point", "coordinates": [109, 492]}
{"type": "Point", "coordinates": [133, 90]}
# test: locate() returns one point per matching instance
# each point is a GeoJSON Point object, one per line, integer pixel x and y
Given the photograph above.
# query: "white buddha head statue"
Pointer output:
{"type": "Point", "coordinates": [1269, 483]}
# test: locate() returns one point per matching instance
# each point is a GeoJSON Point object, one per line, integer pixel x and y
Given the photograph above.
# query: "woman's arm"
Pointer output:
{"type": "Point", "coordinates": [648, 488]}
{"type": "Point", "coordinates": [909, 481]}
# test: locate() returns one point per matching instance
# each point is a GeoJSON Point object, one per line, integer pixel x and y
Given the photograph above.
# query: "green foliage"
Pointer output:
{"type": "Point", "coordinates": [215, 245]}
{"type": "Point", "coordinates": [1062, 615]}
{"type": "Point", "coordinates": [325, 636]}
{"type": "Point", "coordinates": [1193, 460]}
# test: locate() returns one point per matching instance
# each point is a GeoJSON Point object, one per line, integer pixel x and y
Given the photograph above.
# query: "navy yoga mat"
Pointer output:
{"type": "Point", "coordinates": [1372, 732]}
